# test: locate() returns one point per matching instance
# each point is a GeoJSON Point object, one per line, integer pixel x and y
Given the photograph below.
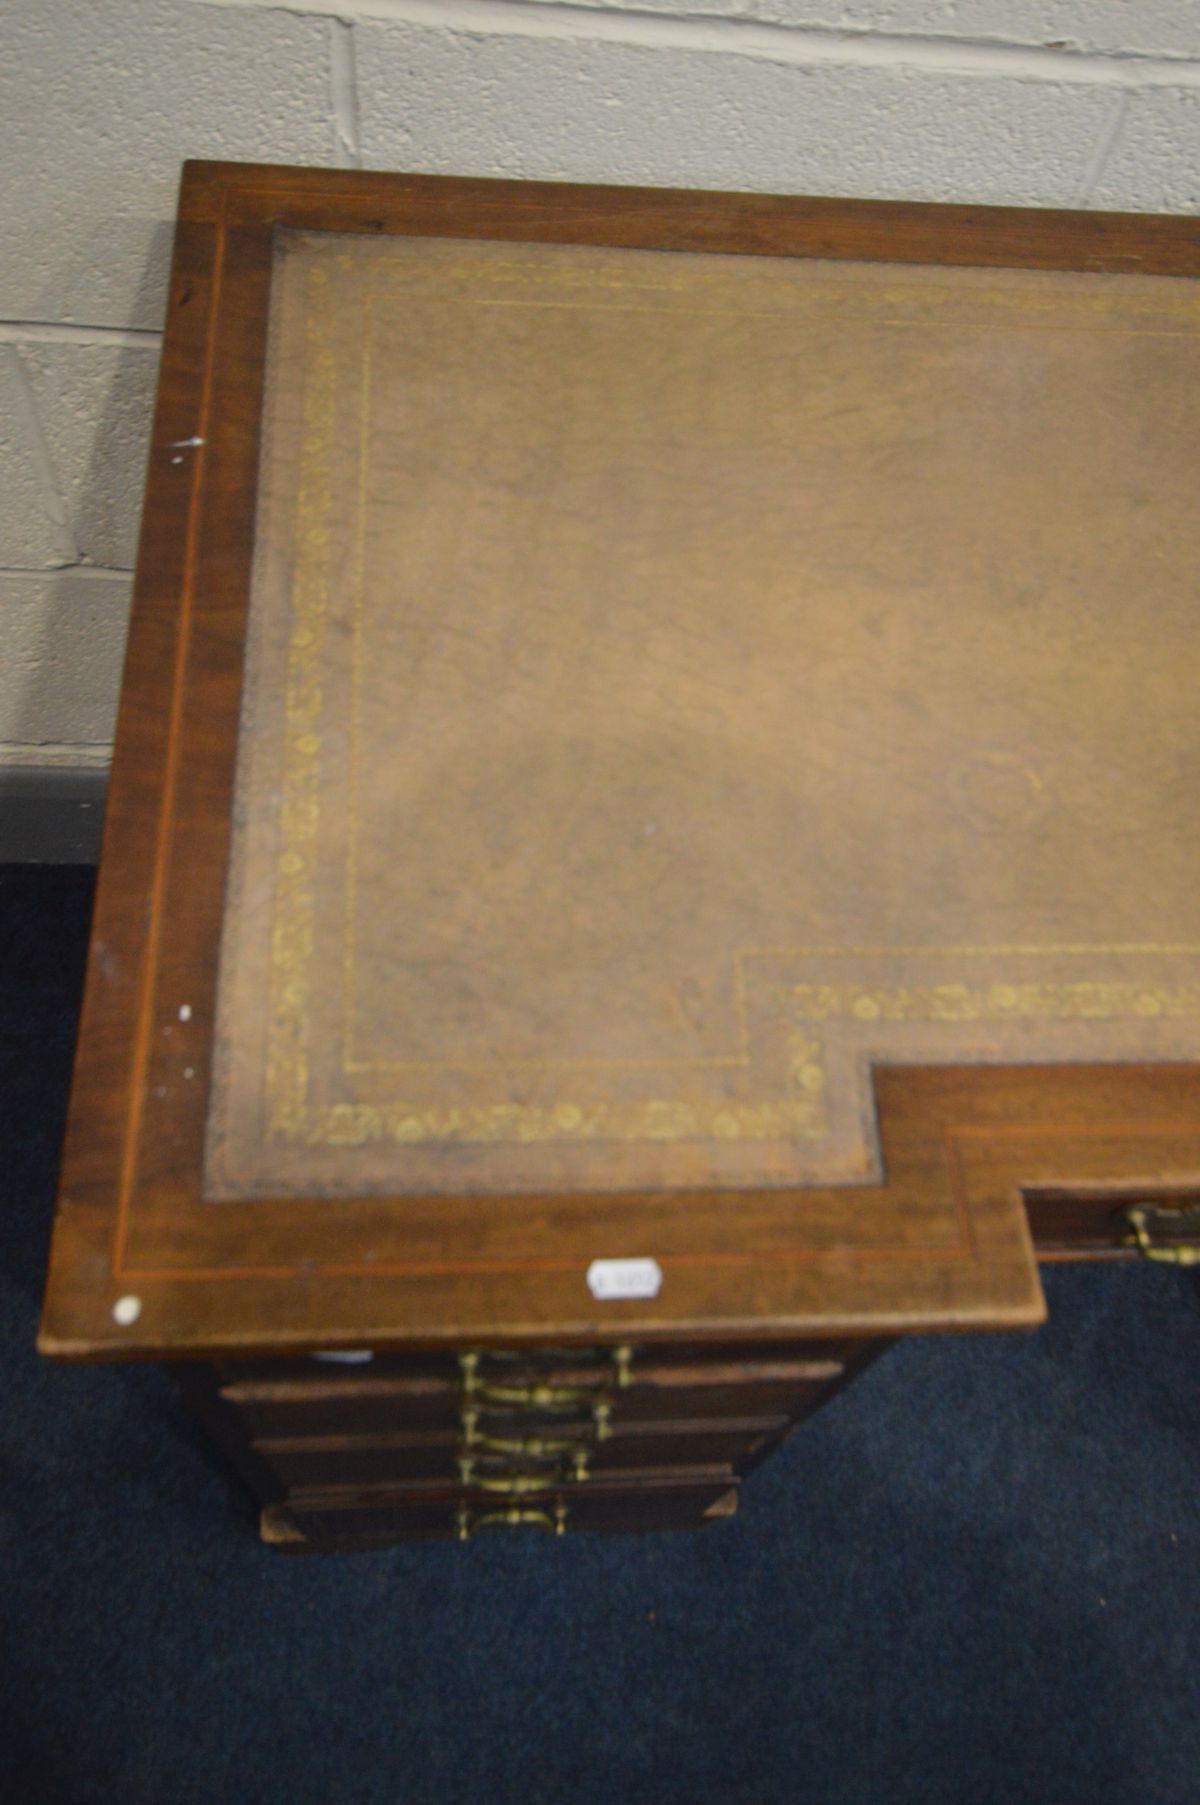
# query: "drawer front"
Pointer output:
{"type": "Point", "coordinates": [374, 1521]}
{"type": "Point", "coordinates": [365, 1404]}
{"type": "Point", "coordinates": [593, 1363]}
{"type": "Point", "coordinates": [324, 1462]}
{"type": "Point", "coordinates": [1076, 1224]}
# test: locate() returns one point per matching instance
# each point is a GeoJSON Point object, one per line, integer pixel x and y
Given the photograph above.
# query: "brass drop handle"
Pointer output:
{"type": "Point", "coordinates": [527, 1447]}
{"type": "Point", "coordinates": [468, 1521]}
{"type": "Point", "coordinates": [533, 1397]}
{"type": "Point", "coordinates": [598, 1430]}
{"type": "Point", "coordinates": [1172, 1253]}
{"type": "Point", "coordinates": [541, 1396]}
{"type": "Point", "coordinates": [468, 1474]}
{"type": "Point", "coordinates": [533, 1447]}
{"type": "Point", "coordinates": [511, 1485]}
{"type": "Point", "coordinates": [538, 1446]}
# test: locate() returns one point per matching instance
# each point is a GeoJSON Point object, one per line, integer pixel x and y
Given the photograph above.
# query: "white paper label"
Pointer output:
{"type": "Point", "coordinates": [624, 1278]}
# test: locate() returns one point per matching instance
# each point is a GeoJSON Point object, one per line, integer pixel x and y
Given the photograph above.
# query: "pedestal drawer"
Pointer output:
{"type": "Point", "coordinates": [334, 1522]}
{"type": "Point", "coordinates": [364, 1403]}
{"type": "Point", "coordinates": [321, 1462]}
{"type": "Point", "coordinates": [565, 1365]}
{"type": "Point", "coordinates": [1070, 1222]}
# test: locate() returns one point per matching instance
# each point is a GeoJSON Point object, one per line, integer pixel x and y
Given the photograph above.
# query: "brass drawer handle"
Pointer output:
{"type": "Point", "coordinates": [533, 1397]}
{"type": "Point", "coordinates": [537, 1445]}
{"type": "Point", "coordinates": [597, 1430]}
{"type": "Point", "coordinates": [467, 1521]}
{"type": "Point", "coordinates": [575, 1473]}
{"type": "Point", "coordinates": [480, 1390]}
{"type": "Point", "coordinates": [1171, 1253]}
{"type": "Point", "coordinates": [511, 1485]}
{"type": "Point", "coordinates": [527, 1447]}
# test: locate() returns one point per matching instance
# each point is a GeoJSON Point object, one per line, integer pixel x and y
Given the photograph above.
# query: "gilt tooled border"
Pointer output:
{"type": "Point", "coordinates": [801, 1114]}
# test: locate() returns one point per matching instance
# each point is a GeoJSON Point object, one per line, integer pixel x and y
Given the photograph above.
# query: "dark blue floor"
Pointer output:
{"type": "Point", "coordinates": [975, 1578]}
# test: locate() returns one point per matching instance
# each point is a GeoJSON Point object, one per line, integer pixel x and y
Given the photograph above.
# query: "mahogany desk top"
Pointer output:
{"type": "Point", "coordinates": [658, 728]}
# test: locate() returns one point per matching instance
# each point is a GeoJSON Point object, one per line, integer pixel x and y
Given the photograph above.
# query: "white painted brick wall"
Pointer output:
{"type": "Point", "coordinates": [1071, 102]}
{"type": "Point", "coordinates": [33, 520]}
{"type": "Point", "coordinates": [100, 101]}
{"type": "Point", "coordinates": [1156, 155]}
{"type": "Point", "coordinates": [691, 118]}
{"type": "Point", "coordinates": [1155, 27]}
{"type": "Point", "coordinates": [64, 635]}
{"type": "Point", "coordinates": [94, 404]}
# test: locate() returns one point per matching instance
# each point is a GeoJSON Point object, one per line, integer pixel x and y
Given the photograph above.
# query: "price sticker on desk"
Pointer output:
{"type": "Point", "coordinates": [609, 1279]}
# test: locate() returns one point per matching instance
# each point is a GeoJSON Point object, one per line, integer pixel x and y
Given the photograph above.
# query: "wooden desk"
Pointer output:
{"type": "Point", "coordinates": [651, 835]}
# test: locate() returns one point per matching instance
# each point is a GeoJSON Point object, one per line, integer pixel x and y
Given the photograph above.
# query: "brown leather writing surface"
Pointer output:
{"type": "Point", "coordinates": [678, 683]}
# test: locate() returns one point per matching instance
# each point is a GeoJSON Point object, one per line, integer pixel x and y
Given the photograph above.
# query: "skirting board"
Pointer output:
{"type": "Point", "coordinates": [51, 815]}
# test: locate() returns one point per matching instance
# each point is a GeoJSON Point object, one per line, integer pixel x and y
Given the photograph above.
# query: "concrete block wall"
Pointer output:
{"type": "Point", "coordinates": [1092, 103]}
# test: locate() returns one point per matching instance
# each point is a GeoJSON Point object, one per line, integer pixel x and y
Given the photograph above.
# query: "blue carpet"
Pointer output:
{"type": "Point", "coordinates": [975, 1578]}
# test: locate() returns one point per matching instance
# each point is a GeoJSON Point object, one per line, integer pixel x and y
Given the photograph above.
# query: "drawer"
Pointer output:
{"type": "Point", "coordinates": [324, 1462]}
{"type": "Point", "coordinates": [373, 1520]}
{"type": "Point", "coordinates": [1069, 1223]}
{"type": "Point", "coordinates": [564, 1365]}
{"type": "Point", "coordinates": [363, 1402]}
